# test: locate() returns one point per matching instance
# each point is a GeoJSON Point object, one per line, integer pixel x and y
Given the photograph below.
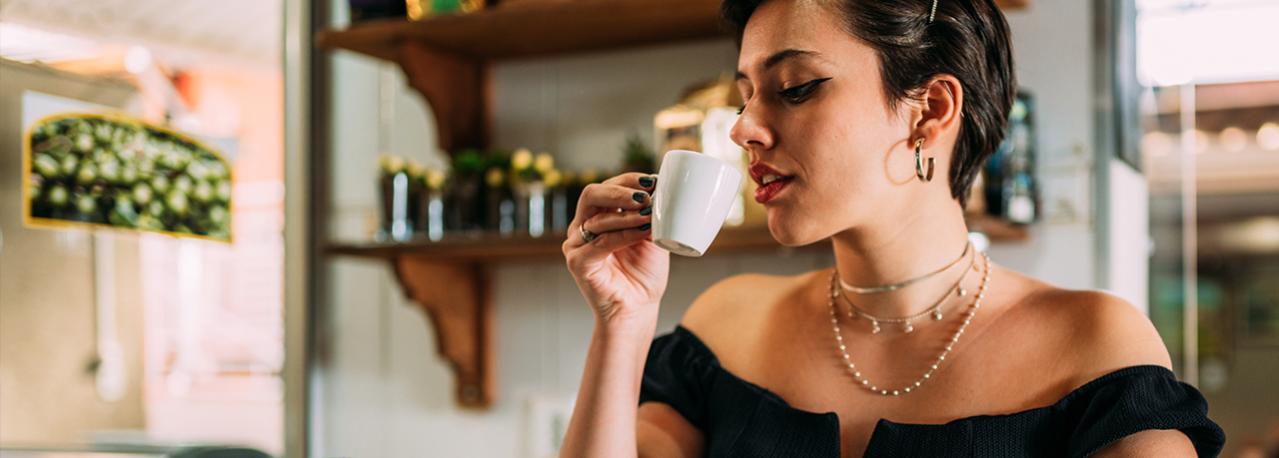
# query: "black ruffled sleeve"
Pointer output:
{"type": "Point", "coordinates": [1135, 399]}
{"type": "Point", "coordinates": [679, 372]}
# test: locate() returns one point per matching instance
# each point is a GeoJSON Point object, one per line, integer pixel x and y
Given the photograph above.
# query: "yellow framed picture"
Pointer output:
{"type": "Point", "coordinates": [104, 170]}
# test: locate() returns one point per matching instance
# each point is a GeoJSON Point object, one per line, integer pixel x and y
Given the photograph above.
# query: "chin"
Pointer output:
{"type": "Point", "coordinates": [788, 233]}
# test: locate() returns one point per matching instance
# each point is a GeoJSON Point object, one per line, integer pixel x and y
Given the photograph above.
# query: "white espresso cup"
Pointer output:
{"type": "Point", "coordinates": [693, 196]}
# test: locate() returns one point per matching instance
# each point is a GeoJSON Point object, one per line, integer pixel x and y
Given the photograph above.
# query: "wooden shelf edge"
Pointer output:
{"type": "Point", "coordinates": [1012, 5]}
{"type": "Point", "coordinates": [997, 229]}
{"type": "Point", "coordinates": [540, 28]}
{"type": "Point", "coordinates": [490, 248]}
{"type": "Point", "coordinates": [481, 247]}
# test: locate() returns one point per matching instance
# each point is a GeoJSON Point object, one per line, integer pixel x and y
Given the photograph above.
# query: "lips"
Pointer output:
{"type": "Point", "coordinates": [759, 171]}
{"type": "Point", "coordinates": [767, 192]}
{"type": "Point", "coordinates": [770, 181]}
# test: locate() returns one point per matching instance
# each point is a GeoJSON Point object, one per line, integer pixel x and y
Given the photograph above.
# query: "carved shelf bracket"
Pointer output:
{"type": "Point", "coordinates": [455, 298]}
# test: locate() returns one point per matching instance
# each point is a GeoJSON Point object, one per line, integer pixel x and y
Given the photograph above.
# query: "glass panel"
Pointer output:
{"type": "Point", "coordinates": [112, 337]}
{"type": "Point", "coordinates": [1210, 120]}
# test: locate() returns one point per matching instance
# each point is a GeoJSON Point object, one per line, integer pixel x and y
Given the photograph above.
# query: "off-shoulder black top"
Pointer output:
{"type": "Point", "coordinates": [741, 419]}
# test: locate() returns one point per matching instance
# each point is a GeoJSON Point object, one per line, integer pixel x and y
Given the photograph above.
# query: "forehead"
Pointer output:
{"type": "Point", "coordinates": [809, 25]}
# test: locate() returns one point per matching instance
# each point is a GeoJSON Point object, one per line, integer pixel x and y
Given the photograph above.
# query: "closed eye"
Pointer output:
{"type": "Point", "coordinates": [800, 93]}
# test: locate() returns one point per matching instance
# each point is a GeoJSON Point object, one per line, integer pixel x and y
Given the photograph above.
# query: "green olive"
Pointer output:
{"type": "Point", "coordinates": [103, 132]}
{"type": "Point", "coordinates": [127, 153]}
{"type": "Point", "coordinates": [155, 208]}
{"type": "Point", "coordinates": [218, 215]}
{"type": "Point", "coordinates": [86, 204]}
{"type": "Point", "coordinates": [110, 170]}
{"type": "Point", "coordinates": [177, 202]}
{"type": "Point", "coordinates": [203, 192]}
{"type": "Point", "coordinates": [197, 171]}
{"type": "Point", "coordinates": [142, 193]}
{"type": "Point", "coordinates": [87, 174]}
{"type": "Point", "coordinates": [129, 175]}
{"type": "Point", "coordinates": [70, 164]}
{"type": "Point", "coordinates": [183, 184]}
{"type": "Point", "coordinates": [46, 166]}
{"type": "Point", "coordinates": [160, 183]}
{"type": "Point", "coordinates": [224, 191]}
{"type": "Point", "coordinates": [84, 143]}
{"type": "Point", "coordinates": [58, 195]}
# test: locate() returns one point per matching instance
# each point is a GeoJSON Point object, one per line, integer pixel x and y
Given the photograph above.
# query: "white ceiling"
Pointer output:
{"type": "Point", "coordinates": [178, 32]}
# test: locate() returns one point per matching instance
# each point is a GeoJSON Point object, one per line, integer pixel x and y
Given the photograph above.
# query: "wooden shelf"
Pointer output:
{"type": "Point", "coordinates": [537, 28]}
{"type": "Point", "coordinates": [1012, 5]}
{"type": "Point", "coordinates": [530, 28]}
{"type": "Point", "coordinates": [486, 248]}
{"type": "Point", "coordinates": [493, 248]}
{"type": "Point", "coordinates": [998, 230]}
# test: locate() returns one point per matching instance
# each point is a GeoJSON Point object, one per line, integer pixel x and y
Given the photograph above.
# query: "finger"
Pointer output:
{"type": "Point", "coordinates": [608, 242]}
{"type": "Point", "coordinates": [641, 181]}
{"type": "Point", "coordinates": [602, 197]}
{"type": "Point", "coordinates": [619, 239]}
{"type": "Point", "coordinates": [608, 222]}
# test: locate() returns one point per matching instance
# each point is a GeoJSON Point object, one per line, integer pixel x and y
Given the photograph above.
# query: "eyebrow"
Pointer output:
{"type": "Point", "coordinates": [779, 57]}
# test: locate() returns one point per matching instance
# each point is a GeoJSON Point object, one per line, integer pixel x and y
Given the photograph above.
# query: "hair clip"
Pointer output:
{"type": "Point", "coordinates": [933, 12]}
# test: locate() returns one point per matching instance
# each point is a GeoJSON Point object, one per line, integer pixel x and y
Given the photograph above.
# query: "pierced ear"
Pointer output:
{"type": "Point", "coordinates": [943, 101]}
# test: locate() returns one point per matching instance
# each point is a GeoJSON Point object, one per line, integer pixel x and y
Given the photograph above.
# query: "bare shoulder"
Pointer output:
{"type": "Point", "coordinates": [737, 304]}
{"type": "Point", "coordinates": [1098, 332]}
{"type": "Point", "coordinates": [1089, 334]}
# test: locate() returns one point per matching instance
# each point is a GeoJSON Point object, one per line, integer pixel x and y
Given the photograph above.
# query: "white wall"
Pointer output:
{"type": "Point", "coordinates": [384, 390]}
{"type": "Point", "coordinates": [1052, 50]}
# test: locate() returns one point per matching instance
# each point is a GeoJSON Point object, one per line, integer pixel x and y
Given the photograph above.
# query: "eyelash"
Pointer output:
{"type": "Point", "coordinates": [797, 94]}
{"type": "Point", "coordinates": [800, 93]}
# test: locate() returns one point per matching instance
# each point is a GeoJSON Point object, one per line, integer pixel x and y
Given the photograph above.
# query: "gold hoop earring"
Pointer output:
{"type": "Point", "coordinates": [919, 164]}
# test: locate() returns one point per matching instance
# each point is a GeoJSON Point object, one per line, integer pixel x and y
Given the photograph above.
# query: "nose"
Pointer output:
{"type": "Point", "coordinates": [750, 132]}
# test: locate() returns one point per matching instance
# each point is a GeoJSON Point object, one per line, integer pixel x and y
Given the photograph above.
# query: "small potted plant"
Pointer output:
{"type": "Point", "coordinates": [463, 204]}
{"type": "Point", "coordinates": [528, 185]}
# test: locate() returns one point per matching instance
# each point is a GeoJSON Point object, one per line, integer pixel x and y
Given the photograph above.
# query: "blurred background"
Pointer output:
{"type": "Point", "coordinates": [293, 228]}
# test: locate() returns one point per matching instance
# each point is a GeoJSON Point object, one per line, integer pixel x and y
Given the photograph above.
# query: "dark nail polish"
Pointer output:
{"type": "Point", "coordinates": [646, 211]}
{"type": "Point", "coordinates": [646, 226]}
{"type": "Point", "coordinates": [638, 196]}
{"type": "Point", "coordinates": [646, 182]}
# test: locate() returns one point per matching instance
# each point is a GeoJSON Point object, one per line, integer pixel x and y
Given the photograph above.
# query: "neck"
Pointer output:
{"type": "Point", "coordinates": [882, 254]}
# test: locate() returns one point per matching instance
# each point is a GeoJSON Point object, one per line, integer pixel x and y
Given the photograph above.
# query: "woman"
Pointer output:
{"type": "Point", "coordinates": [865, 122]}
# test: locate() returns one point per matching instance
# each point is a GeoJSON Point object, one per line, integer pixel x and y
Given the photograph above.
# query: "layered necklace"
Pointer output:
{"type": "Point", "coordinates": [906, 322]}
{"type": "Point", "coordinates": [835, 292]}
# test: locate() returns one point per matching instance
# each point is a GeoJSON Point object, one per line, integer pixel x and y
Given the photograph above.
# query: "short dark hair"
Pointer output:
{"type": "Point", "coordinates": [968, 39]}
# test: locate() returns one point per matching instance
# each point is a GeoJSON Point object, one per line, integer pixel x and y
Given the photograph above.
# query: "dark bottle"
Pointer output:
{"type": "Point", "coordinates": [1012, 191]}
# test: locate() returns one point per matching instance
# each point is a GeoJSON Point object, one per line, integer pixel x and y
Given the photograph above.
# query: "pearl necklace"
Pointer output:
{"type": "Point", "coordinates": [865, 382]}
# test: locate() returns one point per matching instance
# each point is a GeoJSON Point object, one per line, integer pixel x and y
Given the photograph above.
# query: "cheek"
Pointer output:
{"type": "Point", "coordinates": [855, 118]}
{"type": "Point", "coordinates": [853, 143]}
